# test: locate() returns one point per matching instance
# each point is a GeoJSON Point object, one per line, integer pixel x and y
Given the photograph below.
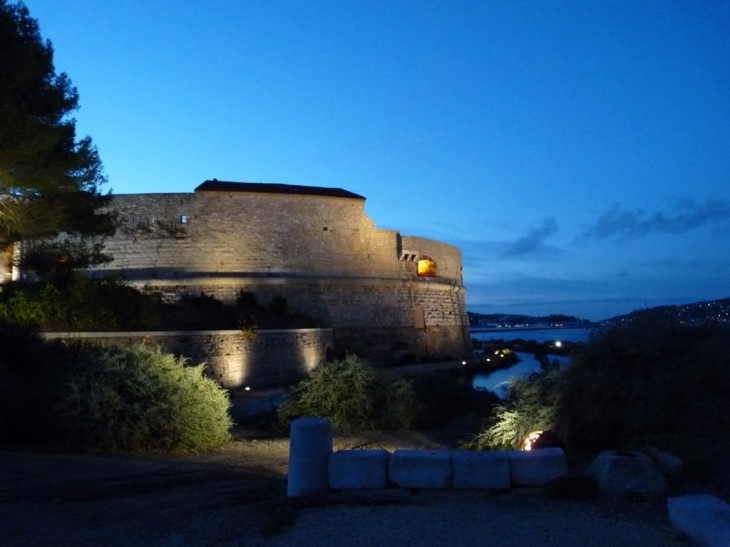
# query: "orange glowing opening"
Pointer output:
{"type": "Point", "coordinates": [426, 267]}
{"type": "Point", "coordinates": [530, 440]}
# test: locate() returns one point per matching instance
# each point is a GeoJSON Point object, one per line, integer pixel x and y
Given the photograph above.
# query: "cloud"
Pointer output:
{"type": "Point", "coordinates": [534, 240]}
{"type": "Point", "coordinates": [624, 224]}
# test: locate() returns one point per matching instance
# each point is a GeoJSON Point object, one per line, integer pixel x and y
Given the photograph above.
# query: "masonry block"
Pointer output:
{"type": "Point", "coordinates": [537, 467]}
{"type": "Point", "coordinates": [480, 470]}
{"type": "Point", "coordinates": [626, 473]}
{"type": "Point", "coordinates": [359, 469]}
{"type": "Point", "coordinates": [310, 447]}
{"type": "Point", "coordinates": [421, 468]}
{"type": "Point", "coordinates": [702, 517]}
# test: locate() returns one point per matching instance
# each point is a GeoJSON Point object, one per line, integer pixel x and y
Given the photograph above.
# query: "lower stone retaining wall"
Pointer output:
{"type": "Point", "coordinates": [272, 357]}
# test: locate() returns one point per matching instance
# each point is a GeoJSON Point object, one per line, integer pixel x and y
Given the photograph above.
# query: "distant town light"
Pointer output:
{"type": "Point", "coordinates": [558, 344]}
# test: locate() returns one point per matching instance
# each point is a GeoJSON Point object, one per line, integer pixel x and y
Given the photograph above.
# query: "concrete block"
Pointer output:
{"type": "Point", "coordinates": [421, 468]}
{"type": "Point", "coordinates": [359, 469]}
{"type": "Point", "coordinates": [537, 467]}
{"type": "Point", "coordinates": [480, 470]}
{"type": "Point", "coordinates": [310, 447]}
{"type": "Point", "coordinates": [622, 473]}
{"type": "Point", "coordinates": [702, 517]}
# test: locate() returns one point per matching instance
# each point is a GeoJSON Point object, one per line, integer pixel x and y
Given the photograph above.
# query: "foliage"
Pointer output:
{"type": "Point", "coordinates": [29, 305]}
{"type": "Point", "coordinates": [650, 377]}
{"type": "Point", "coordinates": [445, 396]}
{"type": "Point", "coordinates": [73, 302]}
{"type": "Point", "coordinates": [112, 398]}
{"type": "Point", "coordinates": [354, 396]}
{"type": "Point", "coordinates": [49, 180]}
{"type": "Point", "coordinates": [531, 405]}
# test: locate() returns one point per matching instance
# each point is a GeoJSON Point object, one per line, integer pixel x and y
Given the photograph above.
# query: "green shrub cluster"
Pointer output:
{"type": "Point", "coordinates": [73, 302]}
{"type": "Point", "coordinates": [650, 377]}
{"type": "Point", "coordinates": [531, 405]}
{"type": "Point", "coordinates": [354, 396]}
{"type": "Point", "coordinates": [109, 398]}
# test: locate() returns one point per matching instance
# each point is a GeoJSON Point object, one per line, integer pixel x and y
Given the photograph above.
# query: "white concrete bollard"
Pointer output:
{"type": "Point", "coordinates": [480, 470]}
{"type": "Point", "coordinates": [310, 447]}
{"type": "Point", "coordinates": [421, 468]}
{"type": "Point", "coordinates": [537, 467]}
{"type": "Point", "coordinates": [359, 469]}
{"type": "Point", "coordinates": [702, 517]}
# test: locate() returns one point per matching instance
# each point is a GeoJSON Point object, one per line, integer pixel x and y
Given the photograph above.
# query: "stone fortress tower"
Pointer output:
{"type": "Point", "coordinates": [382, 293]}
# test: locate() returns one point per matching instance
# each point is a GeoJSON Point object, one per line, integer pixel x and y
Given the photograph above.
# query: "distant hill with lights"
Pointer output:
{"type": "Point", "coordinates": [711, 312]}
{"type": "Point", "coordinates": [504, 320]}
{"type": "Point", "coordinates": [695, 314]}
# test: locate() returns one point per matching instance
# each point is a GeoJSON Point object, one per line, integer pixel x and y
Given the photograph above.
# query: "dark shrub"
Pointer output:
{"type": "Point", "coordinates": [444, 396]}
{"type": "Point", "coordinates": [354, 396]}
{"type": "Point", "coordinates": [111, 398]}
{"type": "Point", "coordinates": [651, 377]}
{"type": "Point", "coordinates": [279, 305]}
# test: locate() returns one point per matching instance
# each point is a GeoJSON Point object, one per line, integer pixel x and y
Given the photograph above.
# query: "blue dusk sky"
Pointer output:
{"type": "Point", "coordinates": [577, 152]}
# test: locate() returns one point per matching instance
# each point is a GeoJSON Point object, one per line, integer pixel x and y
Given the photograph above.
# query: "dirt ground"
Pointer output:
{"type": "Point", "coordinates": [237, 496]}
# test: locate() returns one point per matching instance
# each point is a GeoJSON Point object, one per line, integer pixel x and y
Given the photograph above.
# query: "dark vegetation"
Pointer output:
{"type": "Point", "coordinates": [357, 397]}
{"type": "Point", "coordinates": [49, 180]}
{"type": "Point", "coordinates": [651, 379]}
{"type": "Point", "coordinates": [71, 302]}
{"type": "Point", "coordinates": [89, 397]}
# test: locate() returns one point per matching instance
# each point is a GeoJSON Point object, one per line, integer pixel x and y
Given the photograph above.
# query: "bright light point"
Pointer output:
{"type": "Point", "coordinates": [558, 344]}
{"type": "Point", "coordinates": [488, 359]}
{"type": "Point", "coordinates": [530, 440]}
{"type": "Point", "coordinates": [463, 362]}
{"type": "Point", "coordinates": [247, 388]}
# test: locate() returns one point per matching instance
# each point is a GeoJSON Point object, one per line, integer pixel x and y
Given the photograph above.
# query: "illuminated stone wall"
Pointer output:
{"type": "Point", "coordinates": [323, 253]}
{"type": "Point", "coordinates": [234, 360]}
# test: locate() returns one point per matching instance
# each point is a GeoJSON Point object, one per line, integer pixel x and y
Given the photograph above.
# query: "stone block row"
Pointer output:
{"type": "Point", "coordinates": [443, 469]}
{"type": "Point", "coordinates": [314, 468]}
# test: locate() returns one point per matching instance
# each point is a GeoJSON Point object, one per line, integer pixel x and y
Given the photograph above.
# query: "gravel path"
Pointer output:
{"type": "Point", "coordinates": [236, 496]}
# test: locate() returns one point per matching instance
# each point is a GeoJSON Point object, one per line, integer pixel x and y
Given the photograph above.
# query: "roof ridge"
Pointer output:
{"type": "Point", "coordinates": [216, 185]}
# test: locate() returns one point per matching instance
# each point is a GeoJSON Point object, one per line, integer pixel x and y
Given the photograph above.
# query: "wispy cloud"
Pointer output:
{"type": "Point", "coordinates": [534, 240]}
{"type": "Point", "coordinates": [624, 224]}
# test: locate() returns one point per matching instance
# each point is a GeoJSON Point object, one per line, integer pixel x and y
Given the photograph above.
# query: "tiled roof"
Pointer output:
{"type": "Point", "coordinates": [223, 186]}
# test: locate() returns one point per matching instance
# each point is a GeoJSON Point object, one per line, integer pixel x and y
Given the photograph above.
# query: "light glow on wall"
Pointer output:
{"type": "Point", "coordinates": [427, 267]}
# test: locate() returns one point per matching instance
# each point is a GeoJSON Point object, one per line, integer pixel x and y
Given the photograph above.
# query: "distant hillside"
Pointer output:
{"type": "Point", "coordinates": [697, 313]}
{"type": "Point", "coordinates": [503, 320]}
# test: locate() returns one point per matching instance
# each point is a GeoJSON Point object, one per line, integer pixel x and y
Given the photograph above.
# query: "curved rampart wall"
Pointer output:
{"type": "Point", "coordinates": [323, 253]}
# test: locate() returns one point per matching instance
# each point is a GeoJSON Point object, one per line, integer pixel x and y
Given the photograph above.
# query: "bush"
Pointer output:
{"type": "Point", "coordinates": [650, 377]}
{"type": "Point", "coordinates": [113, 398]}
{"type": "Point", "coordinates": [445, 396]}
{"type": "Point", "coordinates": [29, 305]}
{"type": "Point", "coordinates": [531, 405]}
{"type": "Point", "coordinates": [354, 396]}
{"type": "Point", "coordinates": [73, 302]}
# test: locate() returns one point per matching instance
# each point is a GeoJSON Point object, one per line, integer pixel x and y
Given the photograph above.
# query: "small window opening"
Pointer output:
{"type": "Point", "coordinates": [183, 219]}
{"type": "Point", "coordinates": [427, 267]}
